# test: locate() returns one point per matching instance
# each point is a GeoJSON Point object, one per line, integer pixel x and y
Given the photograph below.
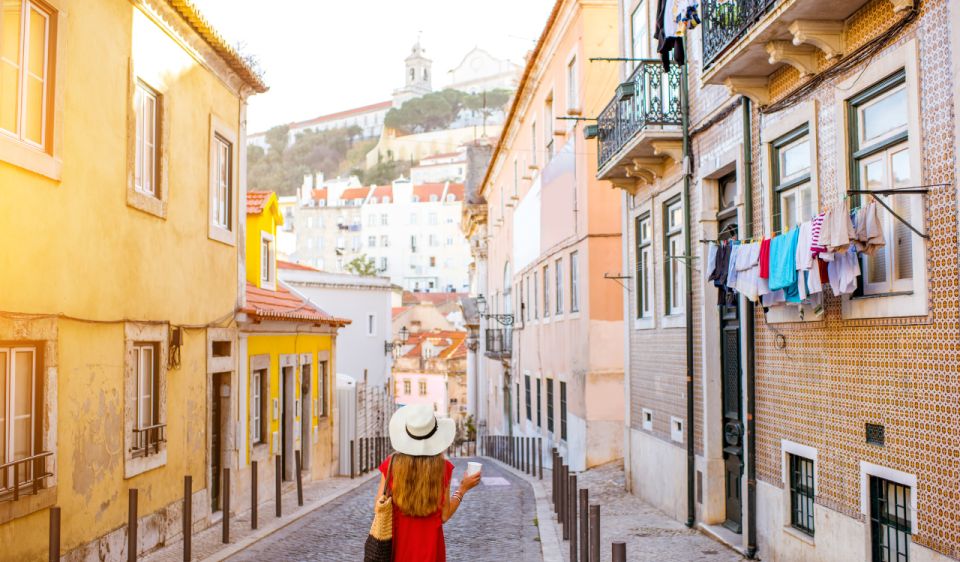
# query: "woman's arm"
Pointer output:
{"type": "Point", "coordinates": [383, 484]}
{"type": "Point", "coordinates": [451, 503]}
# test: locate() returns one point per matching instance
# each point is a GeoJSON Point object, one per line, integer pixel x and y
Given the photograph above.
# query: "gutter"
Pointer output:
{"type": "Point", "coordinates": [687, 171]}
{"type": "Point", "coordinates": [748, 337]}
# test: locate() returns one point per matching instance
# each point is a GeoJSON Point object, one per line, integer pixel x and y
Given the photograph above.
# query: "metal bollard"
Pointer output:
{"type": "Point", "coordinates": [225, 492]}
{"type": "Point", "coordinates": [554, 471]}
{"type": "Point", "coordinates": [299, 479]}
{"type": "Point", "coordinates": [253, 494]}
{"type": "Point", "coordinates": [363, 457]}
{"type": "Point", "coordinates": [584, 525]}
{"type": "Point", "coordinates": [187, 517]}
{"type": "Point", "coordinates": [619, 552]}
{"type": "Point", "coordinates": [594, 533]}
{"type": "Point", "coordinates": [533, 457]}
{"type": "Point", "coordinates": [131, 525]}
{"type": "Point", "coordinates": [352, 468]}
{"type": "Point", "coordinates": [279, 491]}
{"type": "Point", "coordinates": [563, 501]}
{"type": "Point", "coordinates": [54, 546]}
{"type": "Point", "coordinates": [572, 515]}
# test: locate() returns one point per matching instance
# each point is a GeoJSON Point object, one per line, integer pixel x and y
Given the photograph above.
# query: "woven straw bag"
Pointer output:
{"type": "Point", "coordinates": [379, 545]}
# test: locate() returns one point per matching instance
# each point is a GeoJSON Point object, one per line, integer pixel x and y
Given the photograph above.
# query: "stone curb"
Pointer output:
{"type": "Point", "coordinates": [549, 540]}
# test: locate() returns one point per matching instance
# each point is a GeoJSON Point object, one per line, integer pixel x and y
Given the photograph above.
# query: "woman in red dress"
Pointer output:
{"type": "Point", "coordinates": [419, 479]}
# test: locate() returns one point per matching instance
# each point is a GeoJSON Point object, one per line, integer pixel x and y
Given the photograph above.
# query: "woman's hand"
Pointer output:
{"type": "Point", "coordinates": [469, 482]}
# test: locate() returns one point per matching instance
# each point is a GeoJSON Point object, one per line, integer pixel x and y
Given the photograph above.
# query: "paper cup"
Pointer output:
{"type": "Point", "coordinates": [473, 468]}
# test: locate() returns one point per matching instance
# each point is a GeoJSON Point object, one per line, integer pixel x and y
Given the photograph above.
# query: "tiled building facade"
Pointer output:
{"type": "Point", "coordinates": [887, 359]}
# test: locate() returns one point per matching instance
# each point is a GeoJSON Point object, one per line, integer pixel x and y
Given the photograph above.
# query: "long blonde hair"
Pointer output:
{"type": "Point", "coordinates": [418, 483]}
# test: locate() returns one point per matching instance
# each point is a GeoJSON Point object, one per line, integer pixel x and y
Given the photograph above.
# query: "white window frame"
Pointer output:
{"type": "Point", "coordinates": [267, 263]}
{"type": "Point", "coordinates": [145, 96]}
{"type": "Point", "coordinates": [574, 282]}
{"type": "Point", "coordinates": [24, 75]}
{"type": "Point", "coordinates": [788, 448]}
{"type": "Point", "coordinates": [143, 379]}
{"type": "Point", "coordinates": [573, 84]}
{"type": "Point", "coordinates": [8, 419]}
{"type": "Point", "coordinates": [641, 9]}
{"type": "Point", "coordinates": [673, 267]}
{"type": "Point", "coordinates": [371, 324]}
{"type": "Point", "coordinates": [137, 335]}
{"type": "Point", "coordinates": [257, 405]}
{"type": "Point", "coordinates": [646, 283]}
{"type": "Point", "coordinates": [905, 57]}
{"type": "Point", "coordinates": [868, 469]}
{"type": "Point", "coordinates": [222, 220]}
{"type": "Point", "coordinates": [545, 287]}
{"type": "Point", "coordinates": [407, 387]}
{"type": "Point", "coordinates": [558, 289]}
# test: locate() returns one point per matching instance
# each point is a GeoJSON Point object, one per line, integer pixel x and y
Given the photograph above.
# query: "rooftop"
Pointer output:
{"type": "Point", "coordinates": [256, 201]}
{"type": "Point", "coordinates": [282, 304]}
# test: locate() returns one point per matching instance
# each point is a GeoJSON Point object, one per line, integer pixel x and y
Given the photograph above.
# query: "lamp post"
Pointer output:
{"type": "Point", "coordinates": [502, 319]}
{"type": "Point", "coordinates": [390, 346]}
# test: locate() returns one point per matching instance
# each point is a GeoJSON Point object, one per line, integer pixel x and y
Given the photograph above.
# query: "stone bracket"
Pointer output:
{"type": "Point", "coordinates": [629, 185]}
{"type": "Point", "coordinates": [754, 88]}
{"type": "Point", "coordinates": [803, 58]}
{"type": "Point", "coordinates": [825, 35]}
{"type": "Point", "coordinates": [672, 149]}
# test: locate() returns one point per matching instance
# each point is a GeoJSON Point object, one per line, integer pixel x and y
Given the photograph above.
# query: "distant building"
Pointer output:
{"type": "Point", "coordinates": [446, 166]}
{"type": "Point", "coordinates": [368, 117]}
{"type": "Point", "coordinates": [431, 369]}
{"type": "Point", "coordinates": [479, 71]}
{"type": "Point", "coordinates": [418, 77]}
{"type": "Point", "coordinates": [416, 147]}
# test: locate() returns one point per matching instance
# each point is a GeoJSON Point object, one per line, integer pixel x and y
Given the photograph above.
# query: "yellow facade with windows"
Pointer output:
{"type": "Point", "coordinates": [110, 256]}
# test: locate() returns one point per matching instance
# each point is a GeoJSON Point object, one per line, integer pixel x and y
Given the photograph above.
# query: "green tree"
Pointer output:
{"type": "Point", "coordinates": [362, 265]}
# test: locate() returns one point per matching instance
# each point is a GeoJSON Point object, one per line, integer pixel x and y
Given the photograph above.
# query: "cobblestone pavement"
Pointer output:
{"type": "Point", "coordinates": [650, 534]}
{"type": "Point", "coordinates": [496, 523]}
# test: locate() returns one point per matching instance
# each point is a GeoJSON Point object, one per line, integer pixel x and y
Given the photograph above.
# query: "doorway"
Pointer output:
{"type": "Point", "coordinates": [731, 389]}
{"type": "Point", "coordinates": [287, 389]}
{"type": "Point", "coordinates": [220, 386]}
{"type": "Point", "coordinates": [306, 414]}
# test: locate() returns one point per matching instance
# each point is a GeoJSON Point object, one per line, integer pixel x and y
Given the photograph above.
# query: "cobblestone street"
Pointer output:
{"type": "Point", "coordinates": [496, 523]}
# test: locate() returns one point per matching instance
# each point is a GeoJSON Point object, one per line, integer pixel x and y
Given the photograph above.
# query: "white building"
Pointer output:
{"type": "Point", "coordinates": [479, 71]}
{"type": "Point", "coordinates": [418, 76]}
{"type": "Point", "coordinates": [368, 117]}
{"type": "Point", "coordinates": [446, 166]}
{"type": "Point", "coordinates": [361, 351]}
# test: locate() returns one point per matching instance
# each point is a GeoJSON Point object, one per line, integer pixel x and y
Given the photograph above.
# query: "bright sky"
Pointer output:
{"type": "Point", "coordinates": [322, 56]}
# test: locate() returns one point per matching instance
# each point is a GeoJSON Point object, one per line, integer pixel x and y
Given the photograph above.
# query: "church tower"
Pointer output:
{"type": "Point", "coordinates": [418, 76]}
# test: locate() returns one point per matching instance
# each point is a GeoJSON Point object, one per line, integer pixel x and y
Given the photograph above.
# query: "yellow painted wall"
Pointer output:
{"type": "Point", "coordinates": [266, 221]}
{"type": "Point", "coordinates": [74, 247]}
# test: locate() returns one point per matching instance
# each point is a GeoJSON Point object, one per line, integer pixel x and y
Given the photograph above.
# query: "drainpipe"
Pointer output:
{"type": "Point", "coordinates": [748, 337]}
{"type": "Point", "coordinates": [688, 253]}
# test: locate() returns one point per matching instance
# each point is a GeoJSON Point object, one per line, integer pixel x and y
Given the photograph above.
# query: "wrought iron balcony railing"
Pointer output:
{"type": "Point", "coordinates": [499, 342]}
{"type": "Point", "coordinates": [726, 21]}
{"type": "Point", "coordinates": [649, 97]}
{"type": "Point", "coordinates": [147, 440]}
{"type": "Point", "coordinates": [24, 476]}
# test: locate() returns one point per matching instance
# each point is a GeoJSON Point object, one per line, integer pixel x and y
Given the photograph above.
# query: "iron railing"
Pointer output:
{"type": "Point", "coordinates": [726, 21]}
{"type": "Point", "coordinates": [147, 440]}
{"type": "Point", "coordinates": [648, 97]}
{"type": "Point", "coordinates": [499, 342]}
{"type": "Point", "coordinates": [24, 476]}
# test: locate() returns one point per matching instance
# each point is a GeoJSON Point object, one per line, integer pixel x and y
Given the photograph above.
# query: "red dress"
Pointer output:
{"type": "Point", "coordinates": [419, 539]}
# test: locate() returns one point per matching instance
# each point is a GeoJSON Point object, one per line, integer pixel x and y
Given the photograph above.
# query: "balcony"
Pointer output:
{"type": "Point", "coordinates": [24, 476]}
{"type": "Point", "coordinates": [499, 343]}
{"type": "Point", "coordinates": [745, 41]}
{"type": "Point", "coordinates": [638, 133]}
{"type": "Point", "coordinates": [147, 440]}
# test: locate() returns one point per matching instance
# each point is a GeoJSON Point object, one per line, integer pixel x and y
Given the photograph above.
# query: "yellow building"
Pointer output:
{"type": "Point", "coordinates": [286, 379]}
{"type": "Point", "coordinates": [119, 280]}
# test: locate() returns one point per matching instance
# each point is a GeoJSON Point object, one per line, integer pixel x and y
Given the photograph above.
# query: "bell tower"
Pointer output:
{"type": "Point", "coordinates": [418, 75]}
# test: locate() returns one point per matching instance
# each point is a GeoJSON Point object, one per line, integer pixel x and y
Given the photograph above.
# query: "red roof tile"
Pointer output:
{"type": "Point", "coordinates": [319, 194]}
{"type": "Point", "coordinates": [452, 340]}
{"type": "Point", "coordinates": [355, 193]}
{"type": "Point", "coordinates": [383, 191]}
{"type": "Point", "coordinates": [285, 305]}
{"type": "Point", "coordinates": [425, 190]}
{"type": "Point", "coordinates": [256, 200]}
{"type": "Point", "coordinates": [457, 190]}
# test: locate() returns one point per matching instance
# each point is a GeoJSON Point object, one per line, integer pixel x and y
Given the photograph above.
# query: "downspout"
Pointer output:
{"type": "Point", "coordinates": [688, 255]}
{"type": "Point", "coordinates": [748, 337]}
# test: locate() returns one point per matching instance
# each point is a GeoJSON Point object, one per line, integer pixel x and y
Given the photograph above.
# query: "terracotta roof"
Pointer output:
{"type": "Point", "coordinates": [425, 190]}
{"type": "Point", "coordinates": [234, 60]}
{"type": "Point", "coordinates": [452, 340]}
{"type": "Point", "coordinates": [319, 194]}
{"type": "Point", "coordinates": [290, 265]}
{"type": "Point", "coordinates": [341, 114]}
{"type": "Point", "coordinates": [256, 201]}
{"type": "Point", "coordinates": [383, 191]}
{"type": "Point", "coordinates": [355, 193]}
{"type": "Point", "coordinates": [457, 190]}
{"type": "Point", "coordinates": [398, 310]}
{"type": "Point", "coordinates": [284, 305]}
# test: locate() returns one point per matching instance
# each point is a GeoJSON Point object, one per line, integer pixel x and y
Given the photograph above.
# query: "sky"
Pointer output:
{"type": "Point", "coordinates": [322, 56]}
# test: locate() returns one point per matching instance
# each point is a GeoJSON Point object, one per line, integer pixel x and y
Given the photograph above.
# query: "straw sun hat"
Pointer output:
{"type": "Point", "coordinates": [416, 431]}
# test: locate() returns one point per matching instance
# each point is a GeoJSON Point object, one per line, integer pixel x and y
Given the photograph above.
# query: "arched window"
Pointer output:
{"type": "Point", "coordinates": [426, 74]}
{"type": "Point", "coordinates": [413, 74]}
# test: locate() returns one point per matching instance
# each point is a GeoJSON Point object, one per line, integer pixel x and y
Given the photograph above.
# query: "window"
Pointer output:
{"type": "Point", "coordinates": [413, 218]}
{"type": "Point", "coordinates": [384, 221]}
{"type": "Point", "coordinates": [792, 190]}
{"type": "Point", "coordinates": [223, 182]}
{"type": "Point", "coordinates": [881, 161]}
{"type": "Point", "coordinates": [527, 397]}
{"type": "Point", "coordinates": [355, 244]}
{"type": "Point", "coordinates": [516, 178]}
{"type": "Point", "coordinates": [539, 405]}
{"type": "Point", "coordinates": [383, 264]}
{"type": "Point", "coordinates": [422, 387]}
{"type": "Point", "coordinates": [322, 385]}
{"type": "Point", "coordinates": [385, 241]}
{"type": "Point", "coordinates": [528, 307]}
{"type": "Point", "coordinates": [890, 520]}
{"type": "Point", "coordinates": [546, 291]}
{"type": "Point", "coordinates": [673, 255]}
{"type": "Point", "coordinates": [563, 410]}
{"type": "Point", "coordinates": [573, 98]}
{"type": "Point", "coordinates": [147, 433]}
{"type": "Point", "coordinates": [533, 144]}
{"type": "Point", "coordinates": [433, 261]}
{"type": "Point", "coordinates": [640, 32]}
{"type": "Point", "coordinates": [371, 324]}
{"type": "Point", "coordinates": [406, 387]}
{"type": "Point", "coordinates": [146, 160]}
{"type": "Point", "coordinates": [644, 267]}
{"type": "Point", "coordinates": [25, 55]}
{"type": "Point", "coordinates": [574, 282]}
{"type": "Point", "coordinates": [372, 241]}
{"type": "Point", "coordinates": [258, 417]}
{"type": "Point", "coordinates": [549, 404]}
{"type": "Point", "coordinates": [536, 297]}
{"type": "Point", "coordinates": [518, 402]}
{"type": "Point", "coordinates": [432, 218]}
{"type": "Point", "coordinates": [548, 127]}
{"type": "Point", "coordinates": [558, 274]}
{"type": "Point", "coordinates": [801, 493]}
{"type": "Point", "coordinates": [266, 258]}
{"type": "Point", "coordinates": [371, 220]}
{"type": "Point", "coordinates": [20, 420]}
{"type": "Point", "coordinates": [433, 240]}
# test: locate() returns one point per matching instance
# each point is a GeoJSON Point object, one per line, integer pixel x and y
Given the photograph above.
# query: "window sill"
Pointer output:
{"type": "Point", "coordinates": [146, 203]}
{"type": "Point", "coordinates": [30, 159]}
{"type": "Point", "coordinates": [790, 313]}
{"type": "Point", "coordinates": [888, 305]}
{"type": "Point", "coordinates": [219, 234]}
{"type": "Point", "coordinates": [674, 321]}
{"type": "Point", "coordinates": [10, 510]}
{"type": "Point", "coordinates": [644, 324]}
{"type": "Point", "coordinates": [135, 466]}
{"type": "Point", "coordinates": [789, 530]}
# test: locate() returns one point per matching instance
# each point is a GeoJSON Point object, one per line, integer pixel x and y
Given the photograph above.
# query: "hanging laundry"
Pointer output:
{"type": "Point", "coordinates": [748, 266]}
{"type": "Point", "coordinates": [804, 259]}
{"type": "Point", "coordinates": [668, 31]}
{"type": "Point", "coordinates": [732, 266]}
{"type": "Point", "coordinates": [783, 265]}
{"type": "Point", "coordinates": [765, 259]}
{"type": "Point", "coordinates": [868, 230]}
{"type": "Point", "coordinates": [843, 271]}
{"type": "Point", "coordinates": [711, 258]}
{"type": "Point", "coordinates": [815, 225]}
{"type": "Point", "coordinates": [837, 231]}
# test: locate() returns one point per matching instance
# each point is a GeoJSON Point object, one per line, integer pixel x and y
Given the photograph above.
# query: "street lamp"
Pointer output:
{"type": "Point", "coordinates": [502, 319]}
{"type": "Point", "coordinates": [389, 346]}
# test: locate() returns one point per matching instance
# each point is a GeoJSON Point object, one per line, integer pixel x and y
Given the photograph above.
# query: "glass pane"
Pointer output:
{"type": "Point", "coordinates": [788, 209]}
{"type": "Point", "coordinates": [35, 82]}
{"type": "Point", "coordinates": [795, 159]}
{"type": "Point", "coordinates": [806, 210]}
{"type": "Point", "coordinates": [10, 20]}
{"type": "Point", "coordinates": [4, 357]}
{"type": "Point", "coordinates": [883, 116]}
{"type": "Point", "coordinates": [902, 236]}
{"type": "Point", "coordinates": [22, 404]}
{"type": "Point", "coordinates": [872, 177]}
{"type": "Point", "coordinates": [640, 33]}
{"type": "Point", "coordinates": [645, 280]}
